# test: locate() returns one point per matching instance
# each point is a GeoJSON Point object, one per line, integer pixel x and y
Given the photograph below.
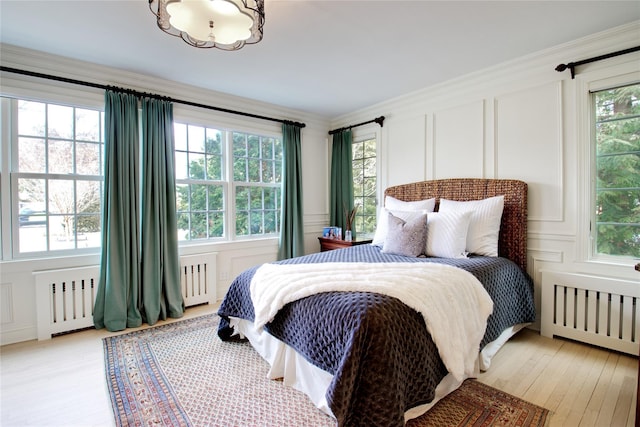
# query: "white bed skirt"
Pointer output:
{"type": "Point", "coordinates": [298, 373]}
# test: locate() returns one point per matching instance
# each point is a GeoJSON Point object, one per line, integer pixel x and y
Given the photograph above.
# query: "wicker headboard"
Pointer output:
{"type": "Point", "coordinates": [512, 242]}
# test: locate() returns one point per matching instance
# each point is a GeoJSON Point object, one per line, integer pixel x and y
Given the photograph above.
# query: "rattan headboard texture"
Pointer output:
{"type": "Point", "coordinates": [512, 242]}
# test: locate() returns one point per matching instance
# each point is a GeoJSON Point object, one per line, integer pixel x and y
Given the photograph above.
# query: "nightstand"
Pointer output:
{"type": "Point", "coordinates": [331, 244]}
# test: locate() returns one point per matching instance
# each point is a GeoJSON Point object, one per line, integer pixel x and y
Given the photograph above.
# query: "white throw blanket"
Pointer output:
{"type": "Point", "coordinates": [454, 304]}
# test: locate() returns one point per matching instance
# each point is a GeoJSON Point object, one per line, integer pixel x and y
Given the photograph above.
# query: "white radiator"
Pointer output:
{"type": "Point", "coordinates": [65, 297]}
{"type": "Point", "coordinates": [198, 278]}
{"type": "Point", "coordinates": [596, 310]}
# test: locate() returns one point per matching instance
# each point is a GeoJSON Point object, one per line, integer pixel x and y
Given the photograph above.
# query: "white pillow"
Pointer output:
{"type": "Point", "coordinates": [447, 234]}
{"type": "Point", "coordinates": [394, 204]}
{"type": "Point", "coordinates": [486, 215]}
{"type": "Point", "coordinates": [382, 227]}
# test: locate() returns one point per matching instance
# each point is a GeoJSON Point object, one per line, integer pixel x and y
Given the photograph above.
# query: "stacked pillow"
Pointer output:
{"type": "Point", "coordinates": [403, 210]}
{"type": "Point", "coordinates": [484, 225]}
{"type": "Point", "coordinates": [457, 229]}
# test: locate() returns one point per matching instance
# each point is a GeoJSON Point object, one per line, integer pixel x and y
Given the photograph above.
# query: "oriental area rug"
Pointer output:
{"type": "Point", "coordinates": [182, 374]}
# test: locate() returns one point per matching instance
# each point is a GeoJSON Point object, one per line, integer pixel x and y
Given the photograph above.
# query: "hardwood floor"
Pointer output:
{"type": "Point", "coordinates": [61, 382]}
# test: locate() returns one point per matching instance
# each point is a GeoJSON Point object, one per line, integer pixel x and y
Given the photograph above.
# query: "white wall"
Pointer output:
{"type": "Point", "coordinates": [17, 286]}
{"type": "Point", "coordinates": [519, 120]}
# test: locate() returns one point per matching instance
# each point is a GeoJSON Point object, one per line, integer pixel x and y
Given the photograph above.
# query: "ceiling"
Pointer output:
{"type": "Point", "coordinates": [323, 57]}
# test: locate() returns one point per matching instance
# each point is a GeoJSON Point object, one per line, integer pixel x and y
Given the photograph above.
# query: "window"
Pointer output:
{"type": "Point", "coordinates": [365, 185]}
{"type": "Point", "coordinates": [200, 186]}
{"type": "Point", "coordinates": [202, 183]}
{"type": "Point", "coordinates": [257, 177]}
{"type": "Point", "coordinates": [228, 183]}
{"type": "Point", "coordinates": [616, 209]}
{"type": "Point", "coordinates": [57, 177]}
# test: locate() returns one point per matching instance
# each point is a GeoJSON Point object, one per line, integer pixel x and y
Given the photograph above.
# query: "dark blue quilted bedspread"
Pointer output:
{"type": "Point", "coordinates": [383, 360]}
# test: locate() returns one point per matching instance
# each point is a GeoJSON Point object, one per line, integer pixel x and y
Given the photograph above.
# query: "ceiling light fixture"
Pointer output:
{"type": "Point", "coordinates": [224, 24]}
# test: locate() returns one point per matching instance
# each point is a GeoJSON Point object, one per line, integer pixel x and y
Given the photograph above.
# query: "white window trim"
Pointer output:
{"type": "Point", "coordinates": [622, 74]}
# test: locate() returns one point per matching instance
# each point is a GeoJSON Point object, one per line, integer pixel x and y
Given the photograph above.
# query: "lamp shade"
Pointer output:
{"type": "Point", "coordinates": [223, 24]}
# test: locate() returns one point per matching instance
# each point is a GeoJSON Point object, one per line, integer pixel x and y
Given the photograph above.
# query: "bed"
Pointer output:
{"type": "Point", "coordinates": [364, 332]}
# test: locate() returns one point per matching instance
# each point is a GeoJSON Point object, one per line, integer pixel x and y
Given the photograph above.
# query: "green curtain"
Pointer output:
{"type": "Point", "coordinates": [341, 190]}
{"type": "Point", "coordinates": [117, 303]}
{"type": "Point", "coordinates": [291, 242]}
{"type": "Point", "coordinates": [139, 267]}
{"type": "Point", "coordinates": [160, 263]}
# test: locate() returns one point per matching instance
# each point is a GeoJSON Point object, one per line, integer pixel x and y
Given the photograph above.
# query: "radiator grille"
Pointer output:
{"type": "Point", "coordinates": [65, 297]}
{"type": "Point", "coordinates": [596, 310]}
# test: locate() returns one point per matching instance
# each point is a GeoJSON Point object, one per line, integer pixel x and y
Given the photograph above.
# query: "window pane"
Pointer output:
{"type": "Point", "coordinates": [216, 198]}
{"type": "Point", "coordinates": [61, 197]}
{"type": "Point", "coordinates": [253, 147]}
{"type": "Point", "coordinates": [32, 155]}
{"type": "Point", "coordinates": [216, 224]}
{"type": "Point", "coordinates": [88, 158]}
{"type": "Point", "coordinates": [33, 238]}
{"type": "Point", "coordinates": [31, 118]}
{"type": "Point", "coordinates": [88, 197]}
{"type": "Point", "coordinates": [270, 222]}
{"type": "Point", "coordinates": [60, 156]}
{"type": "Point", "coordinates": [214, 167]}
{"type": "Point", "coordinates": [196, 166]}
{"type": "Point", "coordinates": [240, 169]}
{"type": "Point", "coordinates": [255, 198]}
{"type": "Point", "coordinates": [180, 134]}
{"type": "Point", "coordinates": [182, 165]}
{"type": "Point", "coordinates": [198, 226]}
{"type": "Point", "coordinates": [196, 139]}
{"type": "Point", "coordinates": [254, 170]}
{"type": "Point", "coordinates": [87, 125]}
{"type": "Point", "coordinates": [60, 121]}
{"type": "Point", "coordinates": [242, 199]}
{"type": "Point", "coordinates": [31, 193]}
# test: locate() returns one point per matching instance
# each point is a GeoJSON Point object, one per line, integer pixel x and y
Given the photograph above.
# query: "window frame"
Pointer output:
{"type": "Point", "coordinates": [358, 138]}
{"type": "Point", "coordinates": [588, 82]}
{"type": "Point", "coordinates": [198, 118]}
{"type": "Point", "coordinates": [12, 229]}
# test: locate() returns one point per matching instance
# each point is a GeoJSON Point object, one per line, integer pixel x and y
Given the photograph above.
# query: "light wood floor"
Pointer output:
{"type": "Point", "coordinates": [61, 382]}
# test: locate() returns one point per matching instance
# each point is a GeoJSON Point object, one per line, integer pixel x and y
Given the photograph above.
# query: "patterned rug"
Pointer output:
{"type": "Point", "coordinates": [182, 374]}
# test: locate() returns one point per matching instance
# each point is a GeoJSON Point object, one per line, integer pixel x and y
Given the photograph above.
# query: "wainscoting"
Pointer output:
{"type": "Point", "coordinates": [65, 297]}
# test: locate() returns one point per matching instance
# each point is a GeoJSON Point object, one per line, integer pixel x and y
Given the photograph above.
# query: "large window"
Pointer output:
{"type": "Point", "coordinates": [257, 177]}
{"type": "Point", "coordinates": [57, 177]}
{"type": "Point", "coordinates": [365, 185]}
{"type": "Point", "coordinates": [616, 210]}
{"type": "Point", "coordinates": [200, 186]}
{"type": "Point", "coordinates": [204, 175]}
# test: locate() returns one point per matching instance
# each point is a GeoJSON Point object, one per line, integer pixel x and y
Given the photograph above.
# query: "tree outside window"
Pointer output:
{"type": "Point", "coordinates": [617, 164]}
{"type": "Point", "coordinates": [365, 185]}
{"type": "Point", "coordinates": [59, 176]}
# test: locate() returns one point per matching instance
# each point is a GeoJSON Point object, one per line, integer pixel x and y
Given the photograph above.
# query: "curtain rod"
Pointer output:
{"type": "Point", "coordinates": [144, 94]}
{"type": "Point", "coordinates": [378, 120]}
{"type": "Point", "coordinates": [572, 65]}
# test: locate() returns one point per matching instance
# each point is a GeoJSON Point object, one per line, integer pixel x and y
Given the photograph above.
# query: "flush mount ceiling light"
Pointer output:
{"type": "Point", "coordinates": [224, 24]}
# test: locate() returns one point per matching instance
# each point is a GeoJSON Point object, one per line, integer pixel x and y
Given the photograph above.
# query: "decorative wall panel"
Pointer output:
{"type": "Point", "coordinates": [529, 146]}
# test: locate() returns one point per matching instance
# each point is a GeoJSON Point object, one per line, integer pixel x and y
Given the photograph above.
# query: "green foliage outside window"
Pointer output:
{"type": "Point", "coordinates": [365, 185]}
{"type": "Point", "coordinates": [617, 207]}
{"type": "Point", "coordinates": [199, 193]}
{"type": "Point", "coordinates": [201, 182]}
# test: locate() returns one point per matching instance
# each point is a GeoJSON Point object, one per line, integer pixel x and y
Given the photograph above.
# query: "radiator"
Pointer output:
{"type": "Point", "coordinates": [198, 278]}
{"type": "Point", "coordinates": [65, 297]}
{"type": "Point", "coordinates": [596, 310]}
